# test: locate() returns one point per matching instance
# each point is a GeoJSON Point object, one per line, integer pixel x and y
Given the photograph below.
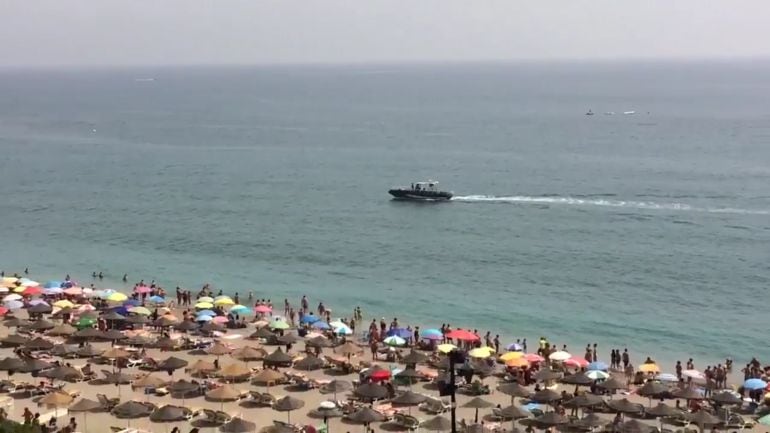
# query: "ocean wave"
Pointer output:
{"type": "Point", "coordinates": [577, 201]}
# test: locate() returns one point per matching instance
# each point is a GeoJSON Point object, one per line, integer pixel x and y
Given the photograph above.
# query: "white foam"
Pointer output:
{"type": "Point", "coordinates": [603, 202]}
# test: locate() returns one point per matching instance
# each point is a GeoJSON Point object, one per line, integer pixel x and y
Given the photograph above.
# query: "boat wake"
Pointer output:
{"type": "Point", "coordinates": [575, 201]}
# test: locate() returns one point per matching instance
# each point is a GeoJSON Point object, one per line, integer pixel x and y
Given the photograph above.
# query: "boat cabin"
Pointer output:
{"type": "Point", "coordinates": [425, 186]}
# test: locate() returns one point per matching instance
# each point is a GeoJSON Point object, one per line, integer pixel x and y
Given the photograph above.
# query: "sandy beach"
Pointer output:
{"type": "Point", "coordinates": [234, 339]}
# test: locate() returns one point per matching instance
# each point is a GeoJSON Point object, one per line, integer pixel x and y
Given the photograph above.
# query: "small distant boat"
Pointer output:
{"type": "Point", "coordinates": [629, 112]}
{"type": "Point", "coordinates": [609, 113]}
{"type": "Point", "coordinates": [421, 191]}
{"type": "Point", "coordinates": [590, 113]}
{"type": "Point", "coordinates": [142, 80]}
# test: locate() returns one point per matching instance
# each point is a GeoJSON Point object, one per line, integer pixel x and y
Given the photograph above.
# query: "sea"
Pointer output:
{"type": "Point", "coordinates": [645, 225]}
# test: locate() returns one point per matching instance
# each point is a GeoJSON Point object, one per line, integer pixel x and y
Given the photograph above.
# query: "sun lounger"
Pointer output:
{"type": "Point", "coordinates": [434, 406]}
{"type": "Point", "coordinates": [135, 363]}
{"type": "Point", "coordinates": [406, 421]}
{"type": "Point", "coordinates": [107, 403]}
{"type": "Point", "coordinates": [216, 416]}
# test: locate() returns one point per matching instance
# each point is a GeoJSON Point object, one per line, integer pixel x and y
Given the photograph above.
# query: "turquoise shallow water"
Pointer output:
{"type": "Point", "coordinates": [648, 230]}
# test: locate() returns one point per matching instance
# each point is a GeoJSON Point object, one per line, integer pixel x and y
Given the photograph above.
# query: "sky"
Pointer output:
{"type": "Point", "coordinates": [177, 32]}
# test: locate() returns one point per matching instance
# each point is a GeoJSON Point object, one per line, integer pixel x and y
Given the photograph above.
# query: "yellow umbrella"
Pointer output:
{"type": "Point", "coordinates": [19, 289]}
{"type": "Point", "coordinates": [446, 348]}
{"type": "Point", "coordinates": [63, 304]}
{"type": "Point", "coordinates": [206, 299]}
{"type": "Point", "coordinates": [517, 362]}
{"type": "Point", "coordinates": [140, 310]}
{"type": "Point", "coordinates": [204, 305]}
{"type": "Point", "coordinates": [505, 357]}
{"type": "Point", "coordinates": [9, 280]}
{"type": "Point", "coordinates": [481, 352]}
{"type": "Point", "coordinates": [117, 297]}
{"type": "Point", "coordinates": [224, 301]}
{"type": "Point", "coordinates": [649, 368]}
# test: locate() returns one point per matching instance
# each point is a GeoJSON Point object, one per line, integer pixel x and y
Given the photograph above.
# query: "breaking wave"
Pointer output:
{"type": "Point", "coordinates": [576, 201]}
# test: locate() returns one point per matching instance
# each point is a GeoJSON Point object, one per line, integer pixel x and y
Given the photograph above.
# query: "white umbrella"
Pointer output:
{"type": "Point", "coordinates": [597, 375]}
{"type": "Point", "coordinates": [560, 356]}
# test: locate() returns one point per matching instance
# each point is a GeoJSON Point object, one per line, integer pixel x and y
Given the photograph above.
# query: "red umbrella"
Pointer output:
{"type": "Point", "coordinates": [380, 375]}
{"type": "Point", "coordinates": [461, 334]}
{"type": "Point", "coordinates": [576, 361]}
{"type": "Point", "coordinates": [3, 310]}
{"type": "Point", "coordinates": [30, 291]}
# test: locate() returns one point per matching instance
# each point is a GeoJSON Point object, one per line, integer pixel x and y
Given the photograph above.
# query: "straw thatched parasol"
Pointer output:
{"type": "Point", "coordinates": [133, 409]}
{"type": "Point", "coordinates": [40, 309]}
{"type": "Point", "coordinates": [115, 353]}
{"type": "Point", "coordinates": [41, 325]}
{"type": "Point", "coordinates": [546, 396]}
{"type": "Point", "coordinates": [414, 357]}
{"type": "Point", "coordinates": [202, 367]}
{"type": "Point", "coordinates": [64, 349]}
{"type": "Point", "coordinates": [309, 363]}
{"type": "Point", "coordinates": [56, 399]}
{"type": "Point", "coordinates": [64, 329]}
{"type": "Point", "coordinates": [577, 379]}
{"type": "Point", "coordinates": [349, 349]}
{"type": "Point", "coordinates": [172, 363]}
{"type": "Point", "coordinates": [288, 339]}
{"type": "Point", "coordinates": [39, 343]}
{"type": "Point", "coordinates": [584, 400]}
{"type": "Point", "coordinates": [514, 412]}
{"type": "Point", "coordinates": [288, 404]}
{"type": "Point", "coordinates": [278, 357]}
{"type": "Point", "coordinates": [726, 397]}
{"type": "Point", "coordinates": [235, 371]}
{"type": "Point", "coordinates": [547, 374]}
{"type": "Point", "coordinates": [366, 416]}
{"type": "Point", "coordinates": [318, 341]}
{"type": "Point", "coordinates": [336, 386]}
{"type": "Point", "coordinates": [148, 381]}
{"type": "Point", "coordinates": [613, 384]}
{"type": "Point", "coordinates": [477, 403]}
{"type": "Point", "coordinates": [689, 393]}
{"type": "Point", "coordinates": [652, 389]}
{"type": "Point", "coordinates": [438, 423]}
{"type": "Point", "coordinates": [169, 413]}
{"type": "Point", "coordinates": [211, 327]}
{"type": "Point", "coordinates": [238, 425]}
{"type": "Point", "coordinates": [247, 354]}
{"type": "Point", "coordinates": [11, 364]}
{"type": "Point", "coordinates": [63, 373]}
{"type": "Point", "coordinates": [514, 390]}
{"type": "Point", "coordinates": [32, 364]}
{"type": "Point", "coordinates": [14, 340]}
{"type": "Point", "coordinates": [186, 326]}
{"type": "Point", "coordinates": [662, 410]}
{"type": "Point", "coordinates": [85, 405]}
{"type": "Point", "coordinates": [88, 334]}
{"type": "Point", "coordinates": [89, 351]}
{"type": "Point", "coordinates": [219, 349]}
{"type": "Point", "coordinates": [223, 393]}
{"type": "Point", "coordinates": [114, 335]}
{"type": "Point", "coordinates": [624, 405]}
{"type": "Point", "coordinates": [632, 426]}
{"type": "Point", "coordinates": [371, 391]}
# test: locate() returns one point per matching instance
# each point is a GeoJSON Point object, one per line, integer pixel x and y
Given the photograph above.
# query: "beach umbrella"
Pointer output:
{"type": "Point", "coordinates": [13, 305]}
{"type": "Point", "coordinates": [202, 367]}
{"type": "Point", "coordinates": [446, 348]}
{"type": "Point", "coordinates": [598, 366]}
{"type": "Point", "coordinates": [649, 368]}
{"type": "Point", "coordinates": [662, 410]}
{"type": "Point", "coordinates": [34, 290]}
{"type": "Point", "coordinates": [278, 357]}
{"type": "Point", "coordinates": [73, 291]}
{"type": "Point", "coordinates": [377, 374]}
{"type": "Point", "coordinates": [114, 335]}
{"type": "Point", "coordinates": [148, 381]}
{"type": "Point", "coordinates": [533, 357]}
{"type": "Point", "coordinates": [112, 315]}
{"type": "Point", "coordinates": [547, 374]}
{"type": "Point", "coordinates": [336, 386]}
{"type": "Point", "coordinates": [138, 319]}
{"type": "Point", "coordinates": [203, 318]}
{"type": "Point", "coordinates": [288, 404]}
{"type": "Point", "coordinates": [546, 396]}
{"type": "Point", "coordinates": [309, 363]}
{"type": "Point", "coordinates": [166, 321]}
{"type": "Point", "coordinates": [181, 388]}
{"type": "Point", "coordinates": [343, 330]}
{"type": "Point", "coordinates": [157, 299]}
{"type": "Point", "coordinates": [52, 291]}
{"type": "Point", "coordinates": [116, 297]}
{"type": "Point", "coordinates": [142, 289]}
{"type": "Point", "coordinates": [514, 347]}
{"type": "Point", "coordinates": [204, 305]}
{"type": "Point", "coordinates": [393, 341]}
{"type": "Point", "coordinates": [65, 373]}
{"type": "Point", "coordinates": [64, 303]}
{"type": "Point", "coordinates": [597, 375]}
{"type": "Point", "coordinates": [349, 349]}
{"type": "Point", "coordinates": [140, 310]}
{"type": "Point", "coordinates": [508, 356]}
{"type": "Point", "coordinates": [89, 351]}
{"type": "Point", "coordinates": [576, 361]}
{"type": "Point", "coordinates": [234, 371]}
{"type": "Point", "coordinates": [577, 379]}
{"type": "Point", "coordinates": [268, 377]}
{"type": "Point", "coordinates": [371, 391]}
{"type": "Point", "coordinates": [247, 354]}
{"type": "Point", "coordinates": [514, 412]}
{"type": "Point", "coordinates": [432, 334]}
{"type": "Point", "coordinates": [481, 352]}
{"type": "Point", "coordinates": [414, 357]}
{"type": "Point", "coordinates": [169, 413]}
{"type": "Point", "coordinates": [172, 363]}
{"type": "Point", "coordinates": [223, 302]}
{"type": "Point", "coordinates": [11, 321]}
{"type": "Point", "coordinates": [702, 419]}
{"type": "Point", "coordinates": [56, 400]}
{"type": "Point", "coordinates": [64, 349]}
{"type": "Point", "coordinates": [409, 398]}
{"type": "Point", "coordinates": [133, 409]}
{"type": "Point", "coordinates": [667, 377]}
{"type": "Point", "coordinates": [584, 400]}
{"type": "Point", "coordinates": [366, 416]}
{"type": "Point", "coordinates": [207, 313]}
{"type": "Point", "coordinates": [221, 320]}
{"type": "Point", "coordinates": [89, 334]}
{"type": "Point", "coordinates": [238, 308]}
{"type": "Point", "coordinates": [689, 393]}
{"type": "Point", "coordinates": [633, 426]}
{"type": "Point", "coordinates": [222, 394]}
{"type": "Point", "coordinates": [652, 389]}
{"type": "Point", "coordinates": [84, 405]}
{"type": "Point", "coordinates": [623, 405]}
{"type": "Point", "coordinates": [14, 340]}
{"type": "Point", "coordinates": [13, 297]}
{"type": "Point", "coordinates": [41, 325]}
{"type": "Point", "coordinates": [186, 326]}
{"type": "Point", "coordinates": [211, 327]}
{"type": "Point", "coordinates": [693, 374]}
{"type": "Point", "coordinates": [288, 339]}
{"type": "Point", "coordinates": [62, 330]}
{"type": "Point", "coordinates": [514, 390]}
{"type": "Point", "coordinates": [462, 335]}
{"type": "Point", "coordinates": [308, 319]}
{"type": "Point", "coordinates": [116, 353]}
{"type": "Point", "coordinates": [613, 384]}
{"type": "Point", "coordinates": [754, 384]}
{"type": "Point", "coordinates": [726, 397]}
{"type": "Point", "coordinates": [205, 299]}
{"type": "Point", "coordinates": [52, 283]}
{"type": "Point", "coordinates": [219, 349]}
{"type": "Point", "coordinates": [238, 425]}
{"type": "Point", "coordinates": [321, 325]}
{"type": "Point", "coordinates": [477, 403]}
{"type": "Point", "coordinates": [11, 364]}
{"type": "Point", "coordinates": [559, 356]}
{"type": "Point", "coordinates": [548, 419]}
{"type": "Point", "coordinates": [39, 344]}
{"type": "Point", "coordinates": [42, 308]}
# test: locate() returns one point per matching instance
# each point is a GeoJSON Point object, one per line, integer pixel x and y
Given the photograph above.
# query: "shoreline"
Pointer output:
{"type": "Point", "coordinates": [665, 358]}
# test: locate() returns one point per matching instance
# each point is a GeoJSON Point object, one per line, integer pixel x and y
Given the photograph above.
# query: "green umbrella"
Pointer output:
{"type": "Point", "coordinates": [279, 324]}
{"type": "Point", "coordinates": [85, 322]}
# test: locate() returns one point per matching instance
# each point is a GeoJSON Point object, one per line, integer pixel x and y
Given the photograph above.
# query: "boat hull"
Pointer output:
{"type": "Point", "coordinates": [405, 194]}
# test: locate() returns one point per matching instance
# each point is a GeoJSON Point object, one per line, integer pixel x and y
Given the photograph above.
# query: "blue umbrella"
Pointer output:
{"type": "Point", "coordinates": [207, 313]}
{"type": "Point", "coordinates": [68, 284]}
{"type": "Point", "coordinates": [400, 332]}
{"type": "Point", "coordinates": [309, 318]}
{"type": "Point", "coordinates": [106, 293]}
{"type": "Point", "coordinates": [667, 377]}
{"type": "Point", "coordinates": [203, 318]}
{"type": "Point", "coordinates": [321, 325]}
{"type": "Point", "coordinates": [52, 291]}
{"type": "Point", "coordinates": [157, 299]}
{"type": "Point", "coordinates": [514, 347]}
{"type": "Point", "coordinates": [754, 384]}
{"type": "Point", "coordinates": [133, 303]}
{"type": "Point", "coordinates": [123, 311]}
{"type": "Point", "coordinates": [52, 283]}
{"type": "Point", "coordinates": [432, 334]}
{"type": "Point", "coordinates": [243, 311]}
{"type": "Point", "coordinates": [37, 302]}
{"type": "Point", "coordinates": [598, 365]}
{"type": "Point", "coordinates": [13, 305]}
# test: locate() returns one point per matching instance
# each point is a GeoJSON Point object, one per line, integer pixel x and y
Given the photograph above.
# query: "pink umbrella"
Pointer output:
{"type": "Point", "coordinates": [30, 291]}
{"type": "Point", "coordinates": [576, 361]}
{"type": "Point", "coordinates": [142, 289]}
{"type": "Point", "coordinates": [533, 357]}
{"type": "Point", "coordinates": [74, 291]}
{"type": "Point", "coordinates": [263, 309]}
{"type": "Point", "coordinates": [219, 319]}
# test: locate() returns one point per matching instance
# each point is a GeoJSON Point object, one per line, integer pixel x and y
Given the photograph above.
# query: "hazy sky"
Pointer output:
{"type": "Point", "coordinates": [119, 32]}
